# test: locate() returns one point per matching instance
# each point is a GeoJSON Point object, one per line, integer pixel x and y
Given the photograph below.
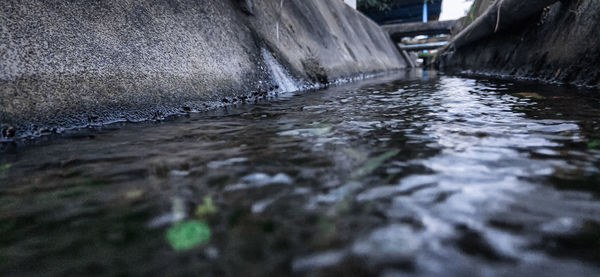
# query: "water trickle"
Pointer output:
{"type": "Point", "coordinates": [279, 75]}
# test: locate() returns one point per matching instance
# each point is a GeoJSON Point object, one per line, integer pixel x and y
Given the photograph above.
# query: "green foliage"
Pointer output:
{"type": "Point", "coordinates": [472, 13]}
{"type": "Point", "coordinates": [425, 54]}
{"type": "Point", "coordinates": [381, 5]}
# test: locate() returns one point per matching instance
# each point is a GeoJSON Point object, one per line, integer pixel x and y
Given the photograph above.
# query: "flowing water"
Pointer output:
{"type": "Point", "coordinates": [416, 174]}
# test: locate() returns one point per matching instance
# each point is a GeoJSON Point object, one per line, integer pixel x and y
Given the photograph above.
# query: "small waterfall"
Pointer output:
{"type": "Point", "coordinates": [281, 77]}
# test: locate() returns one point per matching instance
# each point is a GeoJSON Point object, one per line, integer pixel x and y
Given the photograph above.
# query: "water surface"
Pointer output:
{"type": "Point", "coordinates": [416, 174]}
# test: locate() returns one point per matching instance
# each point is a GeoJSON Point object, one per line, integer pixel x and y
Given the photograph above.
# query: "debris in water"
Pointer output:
{"type": "Point", "coordinates": [217, 164]}
{"type": "Point", "coordinates": [179, 173]}
{"type": "Point", "coordinates": [186, 235]}
{"type": "Point", "coordinates": [257, 180]}
{"type": "Point", "coordinates": [529, 95]}
{"type": "Point", "coordinates": [319, 260]}
{"type": "Point", "coordinates": [207, 207]}
{"type": "Point", "coordinates": [260, 206]}
{"type": "Point", "coordinates": [306, 132]}
{"type": "Point", "coordinates": [374, 163]}
{"type": "Point", "coordinates": [134, 194]}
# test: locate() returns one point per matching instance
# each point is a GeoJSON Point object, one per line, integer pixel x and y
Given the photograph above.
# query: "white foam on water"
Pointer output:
{"type": "Point", "coordinates": [281, 77]}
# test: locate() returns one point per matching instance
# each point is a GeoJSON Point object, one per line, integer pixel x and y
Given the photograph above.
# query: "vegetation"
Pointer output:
{"type": "Point", "coordinates": [425, 54]}
{"type": "Point", "coordinates": [472, 13]}
{"type": "Point", "coordinates": [381, 5]}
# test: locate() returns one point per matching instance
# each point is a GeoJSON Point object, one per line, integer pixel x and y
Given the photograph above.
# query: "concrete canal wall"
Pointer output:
{"type": "Point", "coordinates": [558, 43]}
{"type": "Point", "coordinates": [74, 63]}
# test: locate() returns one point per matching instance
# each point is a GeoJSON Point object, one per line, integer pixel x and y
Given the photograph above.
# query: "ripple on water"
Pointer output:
{"type": "Point", "coordinates": [417, 174]}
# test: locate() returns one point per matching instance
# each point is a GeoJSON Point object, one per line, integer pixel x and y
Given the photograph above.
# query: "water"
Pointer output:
{"type": "Point", "coordinates": [416, 174]}
{"type": "Point", "coordinates": [278, 73]}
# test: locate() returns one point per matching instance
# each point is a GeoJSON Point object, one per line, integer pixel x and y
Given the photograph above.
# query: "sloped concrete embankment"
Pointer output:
{"type": "Point", "coordinates": [558, 42]}
{"type": "Point", "coordinates": [73, 63]}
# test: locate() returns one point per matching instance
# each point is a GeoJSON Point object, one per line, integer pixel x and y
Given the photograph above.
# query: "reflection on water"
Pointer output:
{"type": "Point", "coordinates": [406, 175]}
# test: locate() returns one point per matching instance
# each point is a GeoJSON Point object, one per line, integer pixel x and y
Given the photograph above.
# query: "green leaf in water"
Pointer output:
{"type": "Point", "coordinates": [374, 163]}
{"type": "Point", "coordinates": [186, 235]}
{"type": "Point", "coordinates": [206, 208]}
{"type": "Point", "coordinates": [593, 143]}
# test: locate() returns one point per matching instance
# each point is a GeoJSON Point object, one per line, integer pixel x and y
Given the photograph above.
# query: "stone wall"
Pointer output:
{"type": "Point", "coordinates": [558, 44]}
{"type": "Point", "coordinates": [72, 63]}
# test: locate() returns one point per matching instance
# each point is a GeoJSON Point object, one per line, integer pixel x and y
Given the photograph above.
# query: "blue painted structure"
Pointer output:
{"type": "Point", "coordinates": [403, 11]}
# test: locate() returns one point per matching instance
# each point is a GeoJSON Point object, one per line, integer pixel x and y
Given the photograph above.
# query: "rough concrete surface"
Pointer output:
{"type": "Point", "coordinates": [73, 63]}
{"type": "Point", "coordinates": [559, 44]}
{"type": "Point", "coordinates": [478, 8]}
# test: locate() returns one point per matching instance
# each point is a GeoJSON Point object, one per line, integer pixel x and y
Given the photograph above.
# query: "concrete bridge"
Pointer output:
{"type": "Point", "coordinates": [398, 32]}
{"type": "Point", "coordinates": [431, 28]}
